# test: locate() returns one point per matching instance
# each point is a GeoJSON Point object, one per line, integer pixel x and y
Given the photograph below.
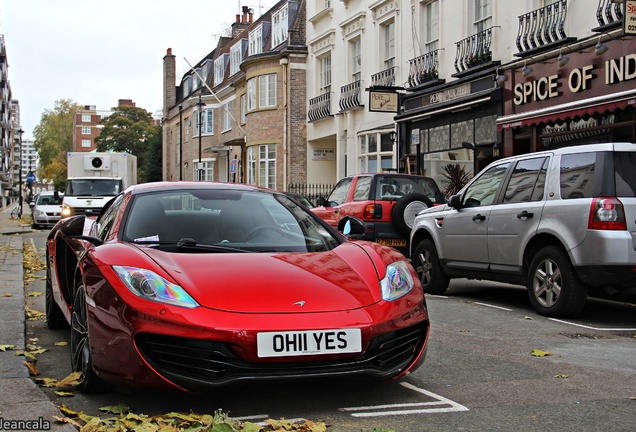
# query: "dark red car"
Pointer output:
{"type": "Point", "coordinates": [387, 203]}
{"type": "Point", "coordinates": [189, 286]}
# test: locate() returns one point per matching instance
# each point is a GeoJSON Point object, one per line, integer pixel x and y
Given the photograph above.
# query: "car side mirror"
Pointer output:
{"type": "Point", "coordinates": [455, 201]}
{"type": "Point", "coordinates": [351, 226]}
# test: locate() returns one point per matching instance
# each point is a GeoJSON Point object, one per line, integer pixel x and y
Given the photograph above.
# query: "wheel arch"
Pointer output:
{"type": "Point", "coordinates": [67, 270]}
{"type": "Point", "coordinates": [418, 236]}
{"type": "Point", "coordinates": [537, 243]}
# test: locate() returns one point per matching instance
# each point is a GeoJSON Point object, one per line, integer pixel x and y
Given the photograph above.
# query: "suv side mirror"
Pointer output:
{"type": "Point", "coordinates": [455, 201]}
{"type": "Point", "coordinates": [351, 226]}
{"type": "Point", "coordinates": [321, 201]}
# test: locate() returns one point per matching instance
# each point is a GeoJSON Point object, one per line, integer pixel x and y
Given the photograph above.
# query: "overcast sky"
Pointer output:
{"type": "Point", "coordinates": [97, 52]}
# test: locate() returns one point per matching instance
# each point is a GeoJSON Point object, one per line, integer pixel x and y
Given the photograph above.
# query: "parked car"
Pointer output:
{"type": "Point", "coordinates": [46, 208]}
{"type": "Point", "coordinates": [301, 199]}
{"type": "Point", "coordinates": [560, 222]}
{"type": "Point", "coordinates": [387, 203]}
{"type": "Point", "coordinates": [193, 285]}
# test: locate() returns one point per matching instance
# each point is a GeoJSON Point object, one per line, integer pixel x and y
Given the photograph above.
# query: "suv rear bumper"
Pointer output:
{"type": "Point", "coordinates": [620, 277]}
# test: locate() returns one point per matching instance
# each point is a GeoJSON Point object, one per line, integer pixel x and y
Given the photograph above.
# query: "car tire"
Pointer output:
{"type": "Point", "coordinates": [405, 210]}
{"type": "Point", "coordinates": [429, 269]}
{"type": "Point", "coordinates": [81, 361]}
{"type": "Point", "coordinates": [55, 319]}
{"type": "Point", "coordinates": [554, 288]}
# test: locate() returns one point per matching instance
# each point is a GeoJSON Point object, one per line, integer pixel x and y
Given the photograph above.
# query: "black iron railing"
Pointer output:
{"type": "Point", "coordinates": [385, 78]}
{"type": "Point", "coordinates": [474, 50]}
{"type": "Point", "coordinates": [350, 96]}
{"type": "Point", "coordinates": [542, 27]}
{"type": "Point", "coordinates": [319, 107]}
{"type": "Point", "coordinates": [311, 190]}
{"type": "Point", "coordinates": [608, 13]}
{"type": "Point", "coordinates": [423, 69]}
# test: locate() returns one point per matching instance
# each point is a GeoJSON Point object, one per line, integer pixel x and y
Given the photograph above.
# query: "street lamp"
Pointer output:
{"type": "Point", "coordinates": [200, 106]}
{"type": "Point", "coordinates": [20, 171]}
{"type": "Point", "coordinates": [180, 142]}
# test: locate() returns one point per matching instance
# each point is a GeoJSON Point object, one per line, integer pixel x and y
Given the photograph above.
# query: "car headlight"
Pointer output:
{"type": "Point", "coordinates": [40, 213]}
{"type": "Point", "coordinates": [397, 282]}
{"type": "Point", "coordinates": [149, 285]}
{"type": "Point", "coordinates": [66, 211]}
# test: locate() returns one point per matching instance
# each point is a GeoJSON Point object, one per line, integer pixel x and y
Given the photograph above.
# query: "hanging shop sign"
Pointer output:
{"type": "Point", "coordinates": [629, 20]}
{"type": "Point", "coordinates": [382, 101]}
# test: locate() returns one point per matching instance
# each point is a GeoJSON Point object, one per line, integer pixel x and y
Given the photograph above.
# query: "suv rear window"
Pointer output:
{"type": "Point", "coordinates": [390, 188]}
{"type": "Point", "coordinates": [583, 175]}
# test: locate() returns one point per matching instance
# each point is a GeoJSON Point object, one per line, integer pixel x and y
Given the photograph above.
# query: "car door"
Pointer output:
{"type": "Point", "coordinates": [465, 240]}
{"type": "Point", "coordinates": [329, 212]}
{"type": "Point", "coordinates": [516, 218]}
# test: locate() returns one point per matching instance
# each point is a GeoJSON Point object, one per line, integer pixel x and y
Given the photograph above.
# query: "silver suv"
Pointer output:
{"type": "Point", "coordinates": [560, 222]}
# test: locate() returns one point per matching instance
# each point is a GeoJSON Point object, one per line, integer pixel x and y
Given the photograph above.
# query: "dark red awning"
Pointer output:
{"type": "Point", "coordinates": [572, 110]}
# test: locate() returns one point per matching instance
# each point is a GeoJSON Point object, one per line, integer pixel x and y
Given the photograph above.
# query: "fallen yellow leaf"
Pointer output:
{"type": "Point", "coordinates": [539, 353]}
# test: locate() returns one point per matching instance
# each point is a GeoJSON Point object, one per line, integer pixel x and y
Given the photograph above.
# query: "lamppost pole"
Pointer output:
{"type": "Point", "coordinates": [180, 143]}
{"type": "Point", "coordinates": [200, 105]}
{"type": "Point", "coordinates": [20, 172]}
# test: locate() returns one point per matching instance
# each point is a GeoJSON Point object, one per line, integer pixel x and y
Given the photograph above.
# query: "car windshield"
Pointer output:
{"type": "Point", "coordinates": [93, 187]}
{"type": "Point", "coordinates": [49, 200]}
{"type": "Point", "coordinates": [230, 220]}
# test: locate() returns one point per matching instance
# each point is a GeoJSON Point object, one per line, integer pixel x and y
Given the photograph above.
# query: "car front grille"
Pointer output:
{"type": "Point", "coordinates": [196, 364]}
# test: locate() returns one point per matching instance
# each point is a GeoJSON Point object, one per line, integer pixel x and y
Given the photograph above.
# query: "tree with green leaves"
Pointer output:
{"type": "Point", "coordinates": [132, 130]}
{"type": "Point", "coordinates": [53, 138]}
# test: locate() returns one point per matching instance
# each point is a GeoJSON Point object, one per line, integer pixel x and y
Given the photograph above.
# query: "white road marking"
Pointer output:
{"type": "Point", "coordinates": [590, 327]}
{"type": "Point", "coordinates": [440, 404]}
{"type": "Point", "coordinates": [493, 306]}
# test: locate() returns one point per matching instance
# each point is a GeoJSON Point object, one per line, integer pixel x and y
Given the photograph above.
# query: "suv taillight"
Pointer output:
{"type": "Point", "coordinates": [606, 213]}
{"type": "Point", "coordinates": [373, 211]}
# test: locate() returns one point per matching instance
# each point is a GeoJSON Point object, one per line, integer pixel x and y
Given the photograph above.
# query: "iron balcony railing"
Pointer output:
{"type": "Point", "coordinates": [423, 69]}
{"type": "Point", "coordinates": [385, 78]}
{"type": "Point", "coordinates": [319, 107]}
{"type": "Point", "coordinates": [608, 13]}
{"type": "Point", "coordinates": [350, 96]}
{"type": "Point", "coordinates": [474, 50]}
{"type": "Point", "coordinates": [542, 27]}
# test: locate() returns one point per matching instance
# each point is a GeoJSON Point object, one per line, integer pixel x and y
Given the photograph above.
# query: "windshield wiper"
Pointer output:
{"type": "Point", "coordinates": [191, 244]}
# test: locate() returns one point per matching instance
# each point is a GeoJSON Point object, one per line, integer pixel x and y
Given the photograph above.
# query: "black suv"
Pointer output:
{"type": "Point", "coordinates": [387, 203]}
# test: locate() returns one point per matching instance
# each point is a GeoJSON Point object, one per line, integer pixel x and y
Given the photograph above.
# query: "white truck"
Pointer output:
{"type": "Point", "coordinates": [94, 178]}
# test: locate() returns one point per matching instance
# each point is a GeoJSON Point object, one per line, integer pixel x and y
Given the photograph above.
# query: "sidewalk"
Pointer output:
{"type": "Point", "coordinates": [20, 398]}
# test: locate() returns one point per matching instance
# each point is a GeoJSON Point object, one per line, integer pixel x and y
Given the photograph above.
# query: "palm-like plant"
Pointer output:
{"type": "Point", "coordinates": [454, 177]}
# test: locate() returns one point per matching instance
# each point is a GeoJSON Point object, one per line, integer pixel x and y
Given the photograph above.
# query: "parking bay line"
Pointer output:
{"type": "Point", "coordinates": [590, 327]}
{"type": "Point", "coordinates": [439, 405]}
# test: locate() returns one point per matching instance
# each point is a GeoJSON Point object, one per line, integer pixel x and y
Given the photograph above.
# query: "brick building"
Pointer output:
{"type": "Point", "coordinates": [232, 117]}
{"type": "Point", "coordinates": [87, 125]}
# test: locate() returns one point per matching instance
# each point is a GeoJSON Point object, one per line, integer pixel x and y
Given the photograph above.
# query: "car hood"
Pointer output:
{"type": "Point", "coordinates": [48, 208]}
{"type": "Point", "coordinates": [338, 280]}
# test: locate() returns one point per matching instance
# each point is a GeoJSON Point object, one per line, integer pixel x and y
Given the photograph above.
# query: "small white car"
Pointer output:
{"type": "Point", "coordinates": [47, 208]}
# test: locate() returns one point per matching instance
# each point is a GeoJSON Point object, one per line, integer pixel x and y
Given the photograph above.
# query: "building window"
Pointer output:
{"type": "Point", "coordinates": [389, 44]}
{"type": "Point", "coordinates": [251, 166]}
{"type": "Point", "coordinates": [432, 26]}
{"type": "Point", "coordinates": [256, 41]}
{"type": "Point", "coordinates": [86, 118]}
{"type": "Point", "coordinates": [483, 15]}
{"type": "Point", "coordinates": [243, 108]}
{"type": "Point", "coordinates": [207, 170]}
{"type": "Point", "coordinates": [207, 122]}
{"type": "Point", "coordinates": [267, 91]}
{"type": "Point", "coordinates": [227, 116]}
{"type": "Point", "coordinates": [323, 5]}
{"type": "Point", "coordinates": [267, 165]}
{"type": "Point", "coordinates": [86, 130]}
{"type": "Point", "coordinates": [374, 158]}
{"type": "Point", "coordinates": [86, 143]}
{"type": "Point", "coordinates": [325, 74]}
{"type": "Point", "coordinates": [188, 123]}
{"type": "Point", "coordinates": [219, 70]}
{"type": "Point", "coordinates": [279, 27]}
{"type": "Point", "coordinates": [251, 94]}
{"type": "Point", "coordinates": [236, 57]}
{"type": "Point", "coordinates": [356, 60]}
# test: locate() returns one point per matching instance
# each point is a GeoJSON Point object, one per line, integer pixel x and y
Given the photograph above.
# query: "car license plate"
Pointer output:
{"type": "Point", "coordinates": [313, 342]}
{"type": "Point", "coordinates": [395, 242]}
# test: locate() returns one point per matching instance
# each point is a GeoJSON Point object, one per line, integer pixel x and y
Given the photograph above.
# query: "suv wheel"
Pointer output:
{"type": "Point", "coordinates": [405, 210]}
{"type": "Point", "coordinates": [554, 288]}
{"type": "Point", "coordinates": [429, 269]}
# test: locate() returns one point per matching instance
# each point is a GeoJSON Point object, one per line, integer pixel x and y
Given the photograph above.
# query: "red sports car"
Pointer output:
{"type": "Point", "coordinates": [191, 285]}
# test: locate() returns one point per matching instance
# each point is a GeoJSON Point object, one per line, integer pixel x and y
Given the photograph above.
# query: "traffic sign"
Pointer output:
{"type": "Point", "coordinates": [30, 178]}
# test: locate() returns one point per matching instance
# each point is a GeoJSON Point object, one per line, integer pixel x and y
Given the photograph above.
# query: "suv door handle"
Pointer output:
{"type": "Point", "coordinates": [524, 214]}
{"type": "Point", "coordinates": [479, 217]}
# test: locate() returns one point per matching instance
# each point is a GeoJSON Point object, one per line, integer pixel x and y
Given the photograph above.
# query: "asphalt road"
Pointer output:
{"type": "Point", "coordinates": [479, 374]}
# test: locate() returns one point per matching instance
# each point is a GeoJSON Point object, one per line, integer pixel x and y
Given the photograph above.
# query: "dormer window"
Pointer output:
{"type": "Point", "coordinates": [256, 41]}
{"type": "Point", "coordinates": [219, 70]}
{"type": "Point", "coordinates": [236, 57]}
{"type": "Point", "coordinates": [279, 27]}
